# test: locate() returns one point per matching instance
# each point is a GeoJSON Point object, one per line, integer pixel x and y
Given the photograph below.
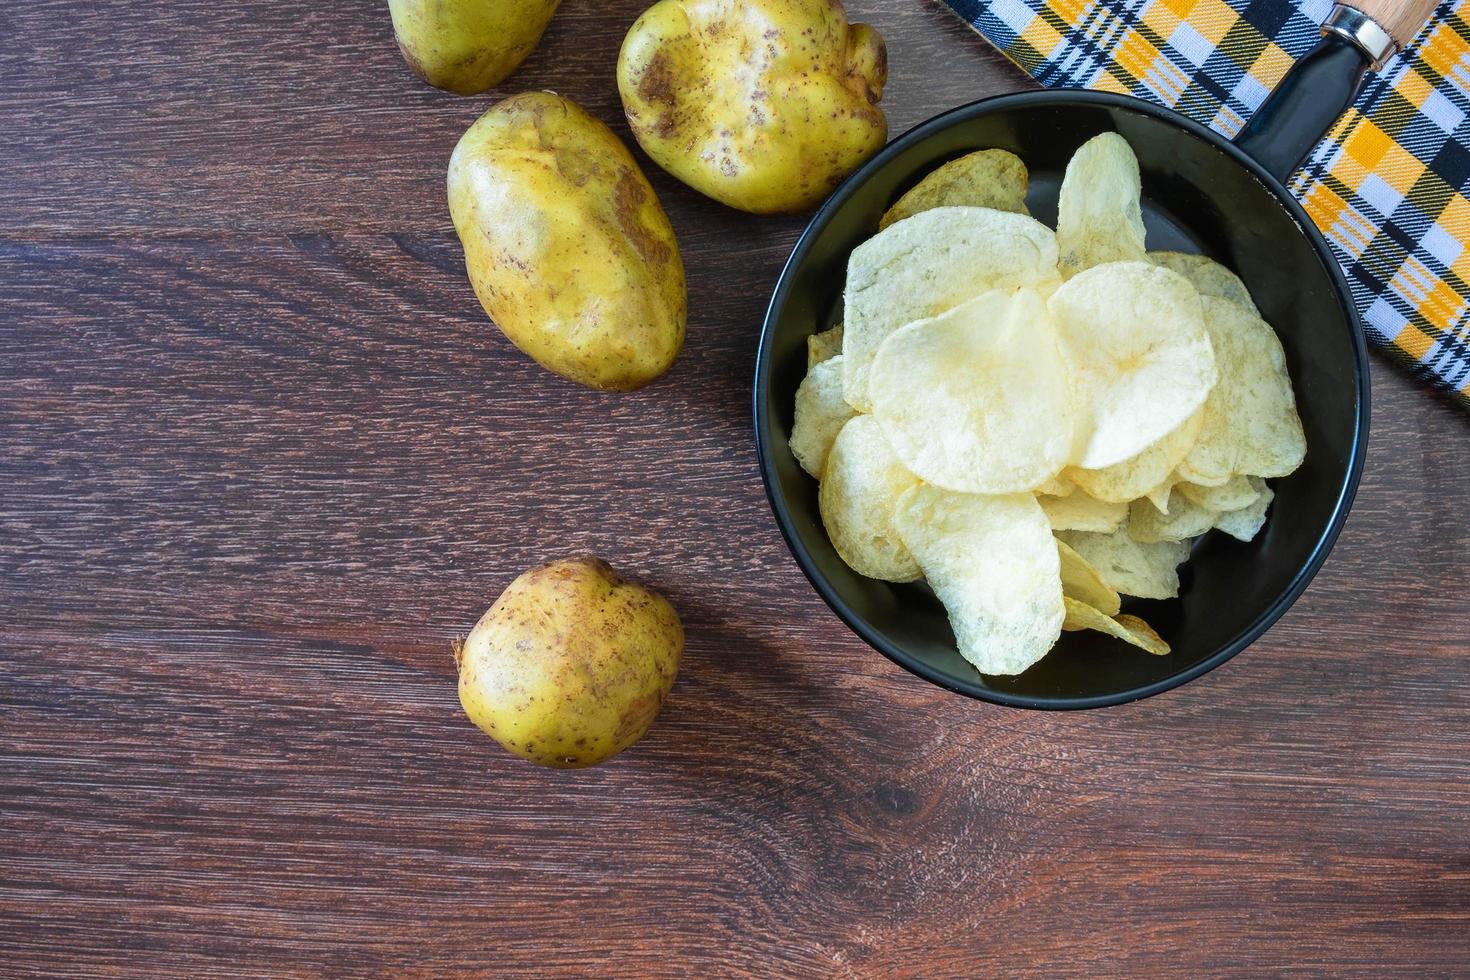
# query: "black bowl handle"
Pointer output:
{"type": "Point", "coordinates": [1322, 85]}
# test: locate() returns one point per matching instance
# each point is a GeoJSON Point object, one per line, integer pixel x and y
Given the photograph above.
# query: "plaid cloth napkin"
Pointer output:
{"type": "Point", "coordinates": [1388, 186]}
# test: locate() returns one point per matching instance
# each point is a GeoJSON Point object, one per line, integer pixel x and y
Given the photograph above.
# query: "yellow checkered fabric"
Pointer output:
{"type": "Point", "coordinates": [1388, 186]}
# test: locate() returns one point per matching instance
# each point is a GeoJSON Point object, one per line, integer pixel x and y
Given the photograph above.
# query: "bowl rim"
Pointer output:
{"type": "Point", "coordinates": [762, 421]}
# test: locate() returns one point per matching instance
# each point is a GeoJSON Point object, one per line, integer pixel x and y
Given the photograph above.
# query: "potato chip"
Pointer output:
{"type": "Point", "coordinates": [1207, 276]}
{"type": "Point", "coordinates": [1058, 486]}
{"type": "Point", "coordinates": [1129, 629]}
{"type": "Point", "coordinates": [1159, 495]}
{"type": "Point", "coordinates": [1079, 512]}
{"type": "Point", "coordinates": [823, 346]}
{"type": "Point", "coordinates": [1149, 571]}
{"type": "Point", "coordinates": [1133, 336]}
{"type": "Point", "coordinates": [1183, 520]}
{"type": "Point", "coordinates": [1244, 524]}
{"type": "Point", "coordinates": [1139, 475]}
{"type": "Point", "coordinates": [859, 491]}
{"type": "Point", "coordinates": [821, 412]}
{"type": "Point", "coordinates": [1081, 581]}
{"type": "Point", "coordinates": [1251, 425]}
{"type": "Point", "coordinates": [993, 562]}
{"type": "Point", "coordinates": [983, 179]}
{"type": "Point", "coordinates": [975, 400]}
{"type": "Point", "coordinates": [1099, 217]}
{"type": "Point", "coordinates": [931, 263]}
{"type": "Point", "coordinates": [1233, 494]}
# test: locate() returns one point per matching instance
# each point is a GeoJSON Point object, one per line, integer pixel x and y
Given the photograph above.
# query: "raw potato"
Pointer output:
{"type": "Point", "coordinates": [820, 414]}
{"type": "Point", "coordinates": [993, 563]}
{"type": "Point", "coordinates": [1149, 571]}
{"type": "Point", "coordinates": [1134, 338]}
{"type": "Point", "coordinates": [1081, 581]}
{"type": "Point", "coordinates": [1233, 494]}
{"type": "Point", "coordinates": [1251, 425]}
{"type": "Point", "coordinates": [571, 664]}
{"type": "Point", "coordinates": [1129, 629]}
{"type": "Point", "coordinates": [1244, 524]}
{"type": "Point", "coordinates": [1207, 276]}
{"type": "Point", "coordinates": [468, 46]}
{"type": "Point", "coordinates": [975, 400]}
{"type": "Point", "coordinates": [983, 179]}
{"type": "Point", "coordinates": [763, 105]}
{"type": "Point", "coordinates": [931, 263]}
{"type": "Point", "coordinates": [1139, 475]}
{"type": "Point", "coordinates": [1099, 215]}
{"type": "Point", "coordinates": [858, 496]}
{"type": "Point", "coordinates": [1183, 520]}
{"type": "Point", "coordinates": [566, 244]}
{"type": "Point", "coordinates": [1080, 512]}
{"type": "Point", "coordinates": [823, 346]}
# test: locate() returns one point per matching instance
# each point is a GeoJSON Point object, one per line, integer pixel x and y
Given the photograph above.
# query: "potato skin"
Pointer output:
{"type": "Point", "coordinates": [468, 46]}
{"type": "Point", "coordinates": [571, 664]}
{"type": "Point", "coordinates": [764, 105]}
{"type": "Point", "coordinates": [566, 244]}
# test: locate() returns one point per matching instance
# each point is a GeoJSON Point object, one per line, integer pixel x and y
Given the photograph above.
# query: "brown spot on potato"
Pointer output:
{"type": "Point", "coordinates": [629, 197]}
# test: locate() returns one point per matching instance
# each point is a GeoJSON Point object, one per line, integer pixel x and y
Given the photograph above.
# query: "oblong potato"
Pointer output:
{"type": "Point", "coordinates": [565, 243]}
{"type": "Point", "coordinates": [858, 496]}
{"type": "Point", "coordinates": [764, 105]}
{"type": "Point", "coordinates": [468, 46]}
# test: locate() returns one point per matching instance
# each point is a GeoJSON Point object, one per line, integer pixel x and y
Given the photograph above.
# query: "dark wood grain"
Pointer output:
{"type": "Point", "coordinates": [261, 458]}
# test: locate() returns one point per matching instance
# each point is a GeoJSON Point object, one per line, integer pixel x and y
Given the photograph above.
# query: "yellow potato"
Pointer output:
{"type": "Point", "coordinates": [571, 664]}
{"type": "Point", "coordinates": [763, 105]}
{"type": "Point", "coordinates": [983, 179]}
{"type": "Point", "coordinates": [566, 244]}
{"type": "Point", "coordinates": [467, 46]}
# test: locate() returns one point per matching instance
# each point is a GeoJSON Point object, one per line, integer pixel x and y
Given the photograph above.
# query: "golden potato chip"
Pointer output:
{"type": "Point", "coordinates": [1245, 523]}
{"type": "Point", "coordinates": [1207, 276]}
{"type": "Point", "coordinates": [1133, 336]}
{"type": "Point", "coordinates": [1079, 512]}
{"type": "Point", "coordinates": [1099, 217]}
{"type": "Point", "coordinates": [1129, 629]}
{"type": "Point", "coordinates": [1184, 520]}
{"type": "Point", "coordinates": [983, 179]}
{"type": "Point", "coordinates": [1146, 570]}
{"type": "Point", "coordinates": [821, 412]}
{"type": "Point", "coordinates": [1058, 486]}
{"type": "Point", "coordinates": [975, 400]}
{"type": "Point", "coordinates": [1159, 495]}
{"type": "Point", "coordinates": [1233, 494]}
{"type": "Point", "coordinates": [859, 491]}
{"type": "Point", "coordinates": [931, 263]}
{"type": "Point", "coordinates": [823, 346]}
{"type": "Point", "coordinates": [1081, 581]}
{"type": "Point", "coordinates": [1251, 425]}
{"type": "Point", "coordinates": [1141, 474]}
{"type": "Point", "coordinates": [993, 562]}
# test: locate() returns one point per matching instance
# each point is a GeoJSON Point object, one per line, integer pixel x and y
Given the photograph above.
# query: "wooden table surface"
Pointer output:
{"type": "Point", "coordinates": [262, 457]}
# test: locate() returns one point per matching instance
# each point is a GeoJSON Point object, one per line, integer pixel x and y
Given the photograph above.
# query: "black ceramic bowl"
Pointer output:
{"type": "Point", "coordinates": [1200, 194]}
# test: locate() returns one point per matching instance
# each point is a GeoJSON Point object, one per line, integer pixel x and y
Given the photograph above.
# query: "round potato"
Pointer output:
{"type": "Point", "coordinates": [571, 664]}
{"type": "Point", "coordinates": [762, 105]}
{"type": "Point", "coordinates": [467, 46]}
{"type": "Point", "coordinates": [566, 244]}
